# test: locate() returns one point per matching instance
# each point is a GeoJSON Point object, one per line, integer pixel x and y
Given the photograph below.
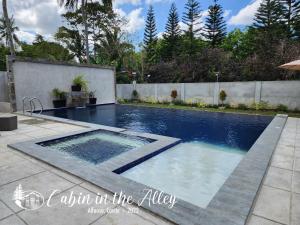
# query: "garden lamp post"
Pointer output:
{"type": "Point", "coordinates": [217, 75]}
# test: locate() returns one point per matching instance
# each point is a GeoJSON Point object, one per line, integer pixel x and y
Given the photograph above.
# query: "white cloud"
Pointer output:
{"type": "Point", "coordinates": [150, 2]}
{"type": "Point", "coordinates": [35, 16]}
{"type": "Point", "coordinates": [160, 35]}
{"type": "Point", "coordinates": [135, 20]}
{"type": "Point", "coordinates": [123, 2]}
{"type": "Point", "coordinates": [25, 36]}
{"type": "Point", "coordinates": [245, 15]}
{"type": "Point", "coordinates": [227, 12]}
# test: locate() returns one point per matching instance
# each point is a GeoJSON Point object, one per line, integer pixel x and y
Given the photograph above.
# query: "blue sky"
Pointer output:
{"type": "Point", "coordinates": [238, 13]}
{"type": "Point", "coordinates": [44, 16]}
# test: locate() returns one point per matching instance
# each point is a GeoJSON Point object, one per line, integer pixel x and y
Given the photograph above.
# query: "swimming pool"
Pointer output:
{"type": "Point", "coordinates": [223, 129]}
{"type": "Point", "coordinates": [214, 168]}
{"type": "Point", "coordinates": [212, 145]}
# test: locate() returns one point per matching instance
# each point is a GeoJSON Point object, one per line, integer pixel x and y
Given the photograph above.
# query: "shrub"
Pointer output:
{"type": "Point", "coordinates": [58, 94]}
{"type": "Point", "coordinates": [282, 108]}
{"type": "Point", "coordinates": [150, 100]}
{"type": "Point", "coordinates": [121, 100]}
{"type": "Point", "coordinates": [178, 102]}
{"type": "Point", "coordinates": [80, 81]}
{"type": "Point", "coordinates": [201, 105]}
{"type": "Point", "coordinates": [242, 106]}
{"type": "Point", "coordinates": [222, 96]}
{"type": "Point", "coordinates": [165, 102]}
{"type": "Point", "coordinates": [135, 94]}
{"type": "Point", "coordinates": [174, 94]}
{"type": "Point", "coordinates": [262, 105]}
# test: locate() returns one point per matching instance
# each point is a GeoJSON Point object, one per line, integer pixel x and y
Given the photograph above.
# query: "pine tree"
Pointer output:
{"type": "Point", "coordinates": [215, 26]}
{"type": "Point", "coordinates": [150, 37]}
{"type": "Point", "coordinates": [269, 15]}
{"type": "Point", "coordinates": [172, 33]}
{"type": "Point", "coordinates": [292, 17]}
{"type": "Point", "coordinates": [191, 18]}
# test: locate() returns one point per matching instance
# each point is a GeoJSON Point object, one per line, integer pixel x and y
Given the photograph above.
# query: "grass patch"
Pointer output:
{"type": "Point", "coordinates": [226, 110]}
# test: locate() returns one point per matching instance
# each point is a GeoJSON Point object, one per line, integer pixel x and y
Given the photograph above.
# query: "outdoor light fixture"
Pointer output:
{"type": "Point", "coordinates": [217, 75]}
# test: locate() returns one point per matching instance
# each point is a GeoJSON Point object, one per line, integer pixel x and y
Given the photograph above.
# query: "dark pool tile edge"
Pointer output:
{"type": "Point", "coordinates": [236, 199]}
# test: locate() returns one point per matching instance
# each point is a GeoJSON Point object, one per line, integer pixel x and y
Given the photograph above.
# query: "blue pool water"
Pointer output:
{"type": "Point", "coordinates": [212, 145]}
{"type": "Point", "coordinates": [224, 129]}
{"type": "Point", "coordinates": [96, 146]}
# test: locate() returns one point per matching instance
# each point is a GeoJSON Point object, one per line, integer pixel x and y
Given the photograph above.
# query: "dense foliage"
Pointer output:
{"type": "Point", "coordinates": [252, 54]}
{"type": "Point", "coordinates": [188, 50]}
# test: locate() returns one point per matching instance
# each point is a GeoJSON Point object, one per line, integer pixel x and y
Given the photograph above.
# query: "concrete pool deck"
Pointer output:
{"type": "Point", "coordinates": [17, 168]}
{"type": "Point", "coordinates": [278, 200]}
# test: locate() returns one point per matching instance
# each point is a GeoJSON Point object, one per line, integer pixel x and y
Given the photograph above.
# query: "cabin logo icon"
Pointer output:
{"type": "Point", "coordinates": [29, 200]}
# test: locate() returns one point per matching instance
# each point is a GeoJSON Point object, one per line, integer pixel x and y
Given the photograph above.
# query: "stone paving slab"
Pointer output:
{"type": "Point", "coordinates": [255, 220]}
{"type": "Point", "coordinates": [274, 204]}
{"type": "Point", "coordinates": [44, 182]}
{"type": "Point", "coordinates": [12, 220]}
{"type": "Point", "coordinates": [296, 182]}
{"type": "Point", "coordinates": [4, 211]}
{"type": "Point", "coordinates": [283, 161]}
{"type": "Point", "coordinates": [59, 214]}
{"type": "Point", "coordinates": [279, 178]}
{"type": "Point", "coordinates": [295, 209]}
{"type": "Point", "coordinates": [12, 172]}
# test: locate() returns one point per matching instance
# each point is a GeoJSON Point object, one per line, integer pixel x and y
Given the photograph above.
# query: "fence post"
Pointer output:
{"type": "Point", "coordinates": [258, 87]}
{"type": "Point", "coordinates": [182, 91]}
{"type": "Point", "coordinates": [155, 92]}
{"type": "Point", "coordinates": [216, 93]}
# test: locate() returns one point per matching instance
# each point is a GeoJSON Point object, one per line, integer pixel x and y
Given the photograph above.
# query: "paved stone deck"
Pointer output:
{"type": "Point", "coordinates": [17, 168]}
{"type": "Point", "coordinates": [277, 204]}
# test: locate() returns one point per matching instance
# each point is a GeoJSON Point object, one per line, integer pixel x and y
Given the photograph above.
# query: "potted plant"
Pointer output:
{"type": "Point", "coordinates": [222, 97]}
{"type": "Point", "coordinates": [60, 98]}
{"type": "Point", "coordinates": [79, 83]}
{"type": "Point", "coordinates": [92, 98]}
{"type": "Point", "coordinates": [135, 95]}
{"type": "Point", "coordinates": [174, 95]}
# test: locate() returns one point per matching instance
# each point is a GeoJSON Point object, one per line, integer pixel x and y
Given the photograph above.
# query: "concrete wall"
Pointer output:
{"type": "Point", "coordinates": [37, 79]}
{"type": "Point", "coordinates": [3, 87]}
{"type": "Point", "coordinates": [273, 92]}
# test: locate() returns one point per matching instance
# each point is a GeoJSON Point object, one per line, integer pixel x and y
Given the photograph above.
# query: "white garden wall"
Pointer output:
{"type": "Point", "coordinates": [39, 78]}
{"type": "Point", "coordinates": [273, 92]}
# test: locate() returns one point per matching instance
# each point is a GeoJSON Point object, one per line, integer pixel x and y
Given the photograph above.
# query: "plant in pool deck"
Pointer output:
{"type": "Point", "coordinates": [174, 95]}
{"type": "Point", "coordinates": [60, 98]}
{"type": "Point", "coordinates": [222, 96]}
{"type": "Point", "coordinates": [242, 106]}
{"type": "Point", "coordinates": [79, 83]}
{"type": "Point", "coordinates": [262, 105]}
{"type": "Point", "coordinates": [92, 98]}
{"type": "Point", "coordinates": [135, 95]}
{"type": "Point", "coordinates": [282, 108]}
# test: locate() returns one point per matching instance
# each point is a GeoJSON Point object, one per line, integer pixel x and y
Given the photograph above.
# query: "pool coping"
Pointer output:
{"type": "Point", "coordinates": [230, 206]}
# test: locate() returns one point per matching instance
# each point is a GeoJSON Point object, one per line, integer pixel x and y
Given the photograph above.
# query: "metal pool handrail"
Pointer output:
{"type": "Point", "coordinates": [23, 103]}
{"type": "Point", "coordinates": [32, 105]}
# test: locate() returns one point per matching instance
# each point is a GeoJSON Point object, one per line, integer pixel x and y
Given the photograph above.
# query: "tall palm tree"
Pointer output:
{"type": "Point", "coordinates": [73, 4]}
{"type": "Point", "coordinates": [12, 28]}
{"type": "Point", "coordinates": [8, 28]}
